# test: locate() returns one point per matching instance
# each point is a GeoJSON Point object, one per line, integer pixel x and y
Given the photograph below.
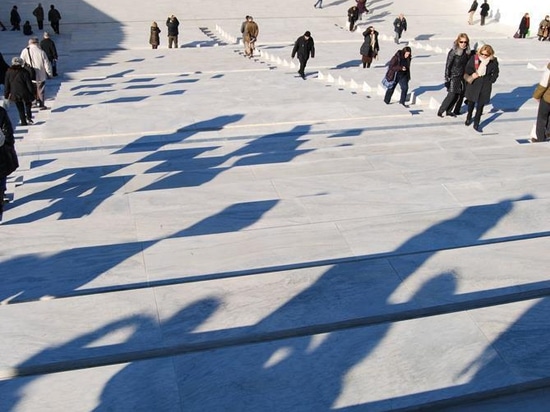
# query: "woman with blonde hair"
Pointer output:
{"type": "Point", "coordinates": [454, 76]}
{"type": "Point", "coordinates": [154, 37]}
{"type": "Point", "coordinates": [480, 73]}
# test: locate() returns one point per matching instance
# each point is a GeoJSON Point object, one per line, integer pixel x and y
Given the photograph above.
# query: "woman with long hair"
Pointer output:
{"type": "Point", "coordinates": [454, 76]}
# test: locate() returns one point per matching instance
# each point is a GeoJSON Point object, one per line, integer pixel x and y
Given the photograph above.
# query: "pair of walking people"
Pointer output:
{"type": "Point", "coordinates": [469, 75]}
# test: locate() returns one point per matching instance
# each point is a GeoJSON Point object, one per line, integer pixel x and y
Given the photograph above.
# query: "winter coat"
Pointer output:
{"type": "Point", "coordinates": [361, 6]}
{"type": "Point", "coordinates": [154, 37]}
{"type": "Point", "coordinates": [396, 64]}
{"type": "Point", "coordinates": [473, 7]}
{"type": "Point", "coordinates": [353, 14]}
{"type": "Point", "coordinates": [173, 26]}
{"type": "Point", "coordinates": [484, 9]}
{"type": "Point", "coordinates": [544, 28]}
{"type": "Point", "coordinates": [36, 57]}
{"type": "Point", "coordinates": [38, 13]}
{"type": "Point", "coordinates": [454, 70]}
{"type": "Point", "coordinates": [543, 88]}
{"type": "Point", "coordinates": [18, 86]}
{"type": "Point", "coordinates": [8, 157]}
{"type": "Point", "coordinates": [3, 68]}
{"type": "Point", "coordinates": [15, 18]}
{"type": "Point", "coordinates": [48, 45]}
{"type": "Point", "coordinates": [480, 89]}
{"type": "Point", "coordinates": [54, 16]}
{"type": "Point", "coordinates": [367, 48]}
{"type": "Point", "coordinates": [304, 48]}
{"type": "Point", "coordinates": [251, 31]}
{"type": "Point", "coordinates": [524, 25]}
{"type": "Point", "coordinates": [400, 25]}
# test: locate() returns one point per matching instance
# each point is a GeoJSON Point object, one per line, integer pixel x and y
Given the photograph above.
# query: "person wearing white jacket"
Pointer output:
{"type": "Point", "coordinates": [34, 56]}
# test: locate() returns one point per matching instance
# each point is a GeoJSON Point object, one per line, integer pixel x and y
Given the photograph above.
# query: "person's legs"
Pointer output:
{"type": "Point", "coordinates": [471, 17]}
{"type": "Point", "coordinates": [447, 104]}
{"type": "Point", "coordinates": [543, 121]}
{"type": "Point", "coordinates": [40, 24]}
{"type": "Point", "coordinates": [458, 103]}
{"type": "Point", "coordinates": [170, 41]}
{"type": "Point", "coordinates": [477, 117]}
{"type": "Point", "coordinates": [404, 86]}
{"type": "Point", "coordinates": [175, 42]}
{"type": "Point", "coordinates": [471, 106]}
{"type": "Point", "coordinates": [389, 94]}
{"type": "Point", "coordinates": [40, 96]}
{"type": "Point", "coordinates": [21, 110]}
{"type": "Point", "coordinates": [302, 69]}
{"type": "Point", "coordinates": [482, 21]}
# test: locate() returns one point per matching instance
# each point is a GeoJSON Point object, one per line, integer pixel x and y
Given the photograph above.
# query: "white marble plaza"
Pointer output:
{"type": "Point", "coordinates": [192, 230]}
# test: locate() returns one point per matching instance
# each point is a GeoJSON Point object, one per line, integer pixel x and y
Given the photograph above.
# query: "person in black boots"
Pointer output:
{"type": "Point", "coordinates": [18, 88]}
{"type": "Point", "coordinates": [454, 76]}
{"type": "Point", "coordinates": [15, 19]}
{"type": "Point", "coordinates": [48, 45]}
{"type": "Point", "coordinates": [8, 157]}
{"type": "Point", "coordinates": [480, 73]}
{"type": "Point", "coordinates": [370, 47]}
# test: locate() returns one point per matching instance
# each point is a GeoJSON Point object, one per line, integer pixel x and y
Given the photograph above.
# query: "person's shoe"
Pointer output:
{"type": "Point", "coordinates": [29, 121]}
{"type": "Point", "coordinates": [405, 105]}
{"type": "Point", "coordinates": [439, 114]}
{"type": "Point", "coordinates": [450, 114]}
{"type": "Point", "coordinates": [468, 122]}
{"type": "Point", "coordinates": [43, 108]}
{"type": "Point", "coordinates": [23, 123]}
{"type": "Point", "coordinates": [477, 128]}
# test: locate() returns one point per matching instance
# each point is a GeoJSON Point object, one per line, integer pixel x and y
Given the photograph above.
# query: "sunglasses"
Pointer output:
{"type": "Point", "coordinates": [463, 42]}
{"type": "Point", "coordinates": [485, 54]}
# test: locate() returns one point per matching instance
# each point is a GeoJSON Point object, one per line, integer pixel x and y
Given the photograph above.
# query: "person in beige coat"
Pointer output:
{"type": "Point", "coordinates": [34, 56]}
{"type": "Point", "coordinates": [250, 35]}
{"type": "Point", "coordinates": [542, 94]}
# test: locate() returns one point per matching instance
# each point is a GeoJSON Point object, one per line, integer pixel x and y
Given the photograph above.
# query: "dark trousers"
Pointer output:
{"type": "Point", "coordinates": [55, 26]}
{"type": "Point", "coordinates": [40, 24]}
{"type": "Point", "coordinates": [403, 83]}
{"type": "Point", "coordinates": [543, 120]}
{"type": "Point", "coordinates": [479, 111]}
{"type": "Point", "coordinates": [24, 109]}
{"type": "Point", "coordinates": [303, 62]}
{"type": "Point", "coordinates": [482, 20]}
{"type": "Point", "coordinates": [451, 103]}
{"type": "Point", "coordinates": [172, 40]}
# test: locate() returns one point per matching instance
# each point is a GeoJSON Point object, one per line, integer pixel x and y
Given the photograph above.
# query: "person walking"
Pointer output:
{"type": "Point", "coordinates": [353, 16]}
{"type": "Point", "coordinates": [370, 47]}
{"type": "Point", "coordinates": [542, 94]}
{"type": "Point", "coordinates": [399, 72]}
{"type": "Point", "coordinates": [361, 7]}
{"type": "Point", "coordinates": [48, 45]}
{"type": "Point", "coordinates": [524, 25]}
{"type": "Point", "coordinates": [484, 12]}
{"type": "Point", "coordinates": [173, 24]}
{"type": "Point", "coordinates": [457, 58]}
{"type": "Point", "coordinates": [19, 89]}
{"type": "Point", "coordinates": [472, 11]}
{"type": "Point", "coordinates": [15, 19]}
{"type": "Point", "coordinates": [544, 29]}
{"type": "Point", "coordinates": [3, 69]}
{"type": "Point", "coordinates": [38, 12]}
{"type": "Point", "coordinates": [8, 157]}
{"type": "Point", "coordinates": [481, 72]}
{"type": "Point", "coordinates": [250, 35]}
{"type": "Point", "coordinates": [304, 47]}
{"type": "Point", "coordinates": [54, 16]}
{"type": "Point", "coordinates": [154, 36]}
{"type": "Point", "coordinates": [399, 26]}
{"type": "Point", "coordinates": [34, 56]}
{"type": "Point", "coordinates": [319, 4]}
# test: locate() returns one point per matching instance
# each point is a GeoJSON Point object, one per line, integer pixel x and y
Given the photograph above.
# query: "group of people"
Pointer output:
{"type": "Point", "coordinates": [525, 26]}
{"type": "Point", "coordinates": [54, 17]}
{"type": "Point", "coordinates": [172, 26]}
{"type": "Point", "coordinates": [483, 12]}
{"type": "Point", "coordinates": [25, 79]}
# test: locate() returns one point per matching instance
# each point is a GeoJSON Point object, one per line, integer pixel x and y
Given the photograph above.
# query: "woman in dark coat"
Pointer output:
{"type": "Point", "coordinates": [524, 25]}
{"type": "Point", "coordinates": [399, 68]}
{"type": "Point", "coordinates": [154, 37]}
{"type": "Point", "coordinates": [482, 70]}
{"type": "Point", "coordinates": [370, 48]}
{"type": "Point", "coordinates": [15, 19]}
{"type": "Point", "coordinates": [454, 76]}
{"type": "Point", "coordinates": [19, 89]}
{"type": "Point", "coordinates": [353, 16]}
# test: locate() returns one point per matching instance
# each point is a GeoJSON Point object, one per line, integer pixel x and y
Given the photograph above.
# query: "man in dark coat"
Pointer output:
{"type": "Point", "coordinates": [53, 17]}
{"type": "Point", "coordinates": [3, 68]}
{"type": "Point", "coordinates": [482, 71]}
{"type": "Point", "coordinates": [172, 23]}
{"type": "Point", "coordinates": [399, 26]}
{"type": "Point", "coordinates": [457, 58]}
{"type": "Point", "coordinates": [19, 89]}
{"type": "Point", "coordinates": [304, 47]}
{"type": "Point", "coordinates": [48, 45]}
{"type": "Point", "coordinates": [353, 16]}
{"type": "Point", "coordinates": [38, 12]}
{"type": "Point", "coordinates": [15, 19]}
{"type": "Point", "coordinates": [484, 11]}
